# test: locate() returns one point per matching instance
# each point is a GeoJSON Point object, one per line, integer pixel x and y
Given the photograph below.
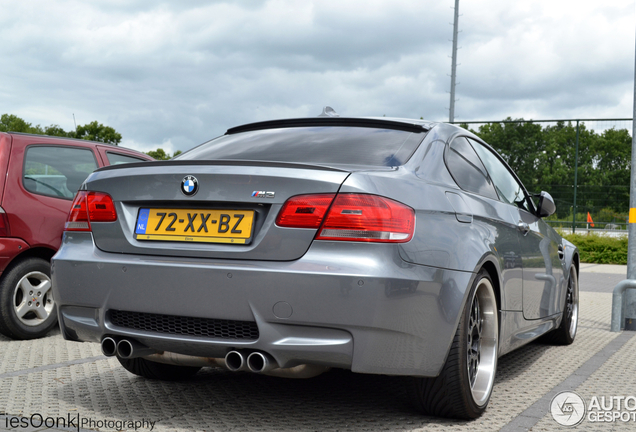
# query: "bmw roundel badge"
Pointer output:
{"type": "Point", "coordinates": [189, 185]}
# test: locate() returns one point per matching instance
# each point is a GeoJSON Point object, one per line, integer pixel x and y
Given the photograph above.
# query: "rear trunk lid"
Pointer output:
{"type": "Point", "coordinates": [230, 215]}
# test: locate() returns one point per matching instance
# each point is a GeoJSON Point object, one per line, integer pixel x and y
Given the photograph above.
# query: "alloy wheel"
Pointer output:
{"type": "Point", "coordinates": [33, 299]}
{"type": "Point", "coordinates": [482, 334]}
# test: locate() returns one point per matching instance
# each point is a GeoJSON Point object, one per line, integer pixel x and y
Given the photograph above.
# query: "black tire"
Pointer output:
{"type": "Point", "coordinates": [27, 308]}
{"type": "Point", "coordinates": [157, 371]}
{"type": "Point", "coordinates": [461, 392]}
{"type": "Point", "coordinates": [566, 332]}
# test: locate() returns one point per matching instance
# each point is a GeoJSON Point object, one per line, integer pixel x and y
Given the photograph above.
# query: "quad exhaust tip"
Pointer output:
{"type": "Point", "coordinates": [258, 362]}
{"type": "Point", "coordinates": [129, 349]}
{"type": "Point", "coordinates": [235, 361]}
{"type": "Point", "coordinates": [109, 346]}
{"type": "Point", "coordinates": [124, 348]}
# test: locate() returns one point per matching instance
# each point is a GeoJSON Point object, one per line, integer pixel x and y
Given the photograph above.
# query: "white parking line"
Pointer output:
{"type": "Point", "coordinates": [51, 366]}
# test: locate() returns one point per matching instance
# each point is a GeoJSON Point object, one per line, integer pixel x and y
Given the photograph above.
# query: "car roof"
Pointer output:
{"type": "Point", "coordinates": [78, 140]}
{"type": "Point", "coordinates": [58, 138]}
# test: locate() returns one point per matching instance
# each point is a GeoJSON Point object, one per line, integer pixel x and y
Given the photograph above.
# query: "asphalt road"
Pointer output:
{"type": "Point", "coordinates": [601, 277]}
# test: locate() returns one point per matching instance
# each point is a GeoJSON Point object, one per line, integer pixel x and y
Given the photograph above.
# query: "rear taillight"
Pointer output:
{"type": "Point", "coordinates": [4, 223]}
{"type": "Point", "coordinates": [351, 217]}
{"type": "Point", "coordinates": [304, 211]}
{"type": "Point", "coordinates": [90, 207]}
{"type": "Point", "coordinates": [371, 218]}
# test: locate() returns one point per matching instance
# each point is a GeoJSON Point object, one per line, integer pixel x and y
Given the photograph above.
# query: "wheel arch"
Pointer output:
{"type": "Point", "coordinates": [490, 264]}
{"type": "Point", "coordinates": [576, 261]}
{"type": "Point", "coordinates": [493, 272]}
{"type": "Point", "coordinates": [42, 252]}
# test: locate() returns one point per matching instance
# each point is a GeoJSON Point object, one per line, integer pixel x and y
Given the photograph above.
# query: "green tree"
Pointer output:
{"type": "Point", "coordinates": [544, 159]}
{"type": "Point", "coordinates": [55, 130]}
{"type": "Point", "coordinates": [160, 154]}
{"type": "Point", "coordinates": [520, 144]}
{"type": "Point", "coordinates": [95, 131]}
{"type": "Point", "coordinates": [13, 123]}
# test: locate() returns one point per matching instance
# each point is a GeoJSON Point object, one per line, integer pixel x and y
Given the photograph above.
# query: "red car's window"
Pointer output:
{"type": "Point", "coordinates": [56, 171]}
{"type": "Point", "coordinates": [118, 158]}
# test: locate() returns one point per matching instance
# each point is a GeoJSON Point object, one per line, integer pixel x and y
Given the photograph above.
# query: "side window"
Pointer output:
{"type": "Point", "coordinates": [56, 171]}
{"type": "Point", "coordinates": [467, 170]}
{"type": "Point", "coordinates": [118, 158]}
{"type": "Point", "coordinates": [509, 189]}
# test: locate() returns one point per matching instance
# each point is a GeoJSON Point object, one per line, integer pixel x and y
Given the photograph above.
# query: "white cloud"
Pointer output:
{"type": "Point", "coordinates": [175, 74]}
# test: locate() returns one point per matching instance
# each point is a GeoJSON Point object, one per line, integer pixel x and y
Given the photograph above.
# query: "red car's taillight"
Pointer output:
{"type": "Point", "coordinates": [4, 224]}
{"type": "Point", "coordinates": [90, 207]}
{"type": "Point", "coordinates": [352, 217]}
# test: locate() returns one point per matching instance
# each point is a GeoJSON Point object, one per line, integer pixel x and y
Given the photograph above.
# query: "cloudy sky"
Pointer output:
{"type": "Point", "coordinates": [175, 74]}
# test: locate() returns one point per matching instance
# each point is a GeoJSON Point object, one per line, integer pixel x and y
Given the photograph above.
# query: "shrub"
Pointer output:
{"type": "Point", "coordinates": [600, 249]}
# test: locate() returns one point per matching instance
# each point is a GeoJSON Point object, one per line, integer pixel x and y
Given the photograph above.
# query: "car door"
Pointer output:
{"type": "Point", "coordinates": [542, 272]}
{"type": "Point", "coordinates": [41, 184]}
{"type": "Point", "coordinates": [496, 218]}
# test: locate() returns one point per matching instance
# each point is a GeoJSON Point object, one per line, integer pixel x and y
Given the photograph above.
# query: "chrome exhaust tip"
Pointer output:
{"type": "Point", "coordinates": [260, 362]}
{"type": "Point", "coordinates": [129, 349]}
{"type": "Point", "coordinates": [235, 361]}
{"type": "Point", "coordinates": [109, 346]}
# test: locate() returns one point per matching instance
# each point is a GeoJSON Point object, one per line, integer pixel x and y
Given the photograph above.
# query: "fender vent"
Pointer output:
{"type": "Point", "coordinates": [180, 325]}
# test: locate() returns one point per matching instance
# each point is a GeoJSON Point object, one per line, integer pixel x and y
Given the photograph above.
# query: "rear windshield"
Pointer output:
{"type": "Point", "coordinates": [313, 145]}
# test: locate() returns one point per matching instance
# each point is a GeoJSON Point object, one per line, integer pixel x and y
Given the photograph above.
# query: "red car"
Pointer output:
{"type": "Point", "coordinates": [39, 176]}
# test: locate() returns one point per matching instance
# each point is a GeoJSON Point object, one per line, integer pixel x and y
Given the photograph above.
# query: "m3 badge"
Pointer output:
{"type": "Point", "coordinates": [263, 194]}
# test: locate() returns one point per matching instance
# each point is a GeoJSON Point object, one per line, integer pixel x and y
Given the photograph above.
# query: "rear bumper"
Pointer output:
{"type": "Point", "coordinates": [349, 305]}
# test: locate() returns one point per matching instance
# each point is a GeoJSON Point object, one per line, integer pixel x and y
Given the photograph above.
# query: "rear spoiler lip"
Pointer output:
{"type": "Point", "coordinates": [369, 122]}
{"type": "Point", "coordinates": [221, 162]}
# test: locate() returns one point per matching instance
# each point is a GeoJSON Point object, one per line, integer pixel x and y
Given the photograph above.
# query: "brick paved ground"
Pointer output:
{"type": "Point", "coordinates": [54, 378]}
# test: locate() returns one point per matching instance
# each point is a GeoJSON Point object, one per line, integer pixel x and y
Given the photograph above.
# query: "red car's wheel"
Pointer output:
{"type": "Point", "coordinates": [26, 300]}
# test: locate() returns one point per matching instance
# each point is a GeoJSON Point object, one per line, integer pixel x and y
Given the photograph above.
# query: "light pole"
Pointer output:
{"type": "Point", "coordinates": [624, 297]}
{"type": "Point", "coordinates": [451, 116]}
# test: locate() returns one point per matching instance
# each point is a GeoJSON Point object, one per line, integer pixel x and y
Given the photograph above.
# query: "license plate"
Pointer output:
{"type": "Point", "coordinates": [191, 225]}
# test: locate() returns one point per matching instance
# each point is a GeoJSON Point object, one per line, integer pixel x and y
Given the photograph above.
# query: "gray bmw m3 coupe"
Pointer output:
{"type": "Point", "coordinates": [288, 247]}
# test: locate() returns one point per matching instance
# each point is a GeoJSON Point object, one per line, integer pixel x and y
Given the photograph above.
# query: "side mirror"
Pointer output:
{"type": "Point", "coordinates": [546, 205]}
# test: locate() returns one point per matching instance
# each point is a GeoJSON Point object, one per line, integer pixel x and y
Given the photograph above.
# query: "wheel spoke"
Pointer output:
{"type": "Point", "coordinates": [474, 340]}
{"type": "Point", "coordinates": [22, 309]}
{"type": "Point", "coordinates": [44, 287]}
{"type": "Point", "coordinates": [26, 286]}
{"type": "Point", "coordinates": [40, 312]}
{"type": "Point", "coordinates": [569, 301]}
